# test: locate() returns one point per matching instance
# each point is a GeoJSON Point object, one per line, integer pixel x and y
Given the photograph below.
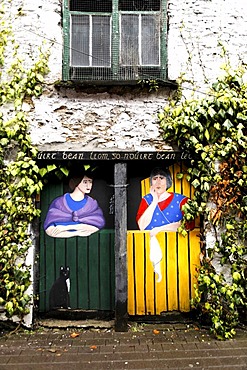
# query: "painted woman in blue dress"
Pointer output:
{"type": "Point", "coordinates": [160, 210]}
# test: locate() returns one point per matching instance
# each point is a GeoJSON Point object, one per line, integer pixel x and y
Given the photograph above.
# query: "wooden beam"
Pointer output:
{"type": "Point", "coordinates": [121, 312]}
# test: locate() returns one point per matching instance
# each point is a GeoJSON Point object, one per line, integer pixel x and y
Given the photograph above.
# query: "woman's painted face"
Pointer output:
{"type": "Point", "coordinates": [85, 185]}
{"type": "Point", "coordinates": [159, 184]}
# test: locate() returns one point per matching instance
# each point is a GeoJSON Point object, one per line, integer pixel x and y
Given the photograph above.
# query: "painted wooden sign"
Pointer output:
{"type": "Point", "coordinates": [112, 156]}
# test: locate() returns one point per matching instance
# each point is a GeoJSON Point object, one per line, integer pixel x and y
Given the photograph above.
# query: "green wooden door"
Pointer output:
{"type": "Point", "coordinates": [90, 260]}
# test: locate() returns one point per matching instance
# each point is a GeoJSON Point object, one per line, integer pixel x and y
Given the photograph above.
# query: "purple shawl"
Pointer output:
{"type": "Point", "coordinates": [90, 214]}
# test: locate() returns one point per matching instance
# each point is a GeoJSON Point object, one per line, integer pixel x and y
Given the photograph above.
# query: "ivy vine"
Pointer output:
{"type": "Point", "coordinates": [213, 129]}
{"type": "Point", "coordinates": [20, 177]}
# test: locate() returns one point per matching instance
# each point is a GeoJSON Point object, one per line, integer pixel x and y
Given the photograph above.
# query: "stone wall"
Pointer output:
{"type": "Point", "coordinates": [124, 118]}
{"type": "Point", "coordinates": [196, 27]}
{"type": "Point", "coordinates": [71, 120]}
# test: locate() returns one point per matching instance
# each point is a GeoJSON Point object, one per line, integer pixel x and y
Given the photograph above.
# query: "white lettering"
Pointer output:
{"type": "Point", "coordinates": [40, 156]}
{"type": "Point", "coordinates": [159, 156]}
{"type": "Point", "coordinates": [116, 156]}
{"type": "Point", "coordinates": [103, 156]}
{"type": "Point", "coordinates": [185, 156]}
{"type": "Point", "coordinates": [92, 155]}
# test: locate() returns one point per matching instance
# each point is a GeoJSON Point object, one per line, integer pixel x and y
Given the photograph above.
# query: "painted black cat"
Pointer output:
{"type": "Point", "coordinates": [59, 292]}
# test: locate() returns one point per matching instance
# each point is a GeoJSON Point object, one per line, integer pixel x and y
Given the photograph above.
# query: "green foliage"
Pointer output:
{"type": "Point", "coordinates": [213, 130]}
{"type": "Point", "coordinates": [20, 177]}
{"type": "Point", "coordinates": [152, 84]}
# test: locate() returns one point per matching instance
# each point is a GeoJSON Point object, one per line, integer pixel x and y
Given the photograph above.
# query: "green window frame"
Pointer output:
{"type": "Point", "coordinates": [125, 40]}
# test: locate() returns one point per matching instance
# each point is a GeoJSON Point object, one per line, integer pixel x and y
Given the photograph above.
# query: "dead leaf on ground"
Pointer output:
{"type": "Point", "coordinates": [155, 331]}
{"type": "Point", "coordinates": [74, 335]}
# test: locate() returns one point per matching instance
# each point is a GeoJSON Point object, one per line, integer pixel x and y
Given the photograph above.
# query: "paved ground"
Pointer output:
{"type": "Point", "coordinates": [159, 346]}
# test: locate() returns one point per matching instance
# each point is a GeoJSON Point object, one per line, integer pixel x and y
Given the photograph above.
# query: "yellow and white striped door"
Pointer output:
{"type": "Point", "coordinates": [180, 259]}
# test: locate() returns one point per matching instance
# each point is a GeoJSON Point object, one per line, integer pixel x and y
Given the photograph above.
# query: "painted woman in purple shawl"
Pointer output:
{"type": "Point", "coordinates": [76, 213]}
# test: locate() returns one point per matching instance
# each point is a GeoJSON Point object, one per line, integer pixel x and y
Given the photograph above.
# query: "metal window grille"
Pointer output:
{"type": "Point", "coordinates": [139, 40]}
{"type": "Point", "coordinates": [90, 41]}
{"type": "Point", "coordinates": [118, 40]}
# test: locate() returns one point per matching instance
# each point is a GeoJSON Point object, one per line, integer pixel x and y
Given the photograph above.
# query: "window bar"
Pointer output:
{"type": "Point", "coordinates": [90, 41]}
{"type": "Point", "coordinates": [140, 39]}
{"type": "Point", "coordinates": [163, 40]}
{"type": "Point", "coordinates": [115, 40]}
{"type": "Point", "coordinates": [67, 32]}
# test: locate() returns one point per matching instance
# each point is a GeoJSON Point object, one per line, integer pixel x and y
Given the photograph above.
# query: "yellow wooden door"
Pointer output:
{"type": "Point", "coordinates": [180, 259]}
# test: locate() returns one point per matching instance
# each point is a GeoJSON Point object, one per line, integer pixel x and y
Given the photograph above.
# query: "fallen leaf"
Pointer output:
{"type": "Point", "coordinates": [74, 335]}
{"type": "Point", "coordinates": [52, 350]}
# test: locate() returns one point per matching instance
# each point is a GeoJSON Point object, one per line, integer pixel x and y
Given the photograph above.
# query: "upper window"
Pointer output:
{"type": "Point", "coordinates": [114, 40]}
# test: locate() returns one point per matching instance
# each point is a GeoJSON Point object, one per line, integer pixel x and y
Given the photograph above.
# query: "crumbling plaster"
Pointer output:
{"type": "Point", "coordinates": [124, 119]}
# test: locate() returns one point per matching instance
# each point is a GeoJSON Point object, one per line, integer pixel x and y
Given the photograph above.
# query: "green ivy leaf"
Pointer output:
{"type": "Point", "coordinates": [195, 183]}
{"type": "Point", "coordinates": [236, 276]}
{"type": "Point", "coordinates": [207, 136]}
{"type": "Point", "coordinates": [51, 167]}
{"type": "Point", "coordinates": [180, 176]}
{"type": "Point", "coordinates": [227, 124]}
{"type": "Point", "coordinates": [43, 171]}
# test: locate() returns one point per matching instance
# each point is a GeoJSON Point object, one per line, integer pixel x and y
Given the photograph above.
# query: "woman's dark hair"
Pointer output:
{"type": "Point", "coordinates": [166, 173]}
{"type": "Point", "coordinates": [76, 177]}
